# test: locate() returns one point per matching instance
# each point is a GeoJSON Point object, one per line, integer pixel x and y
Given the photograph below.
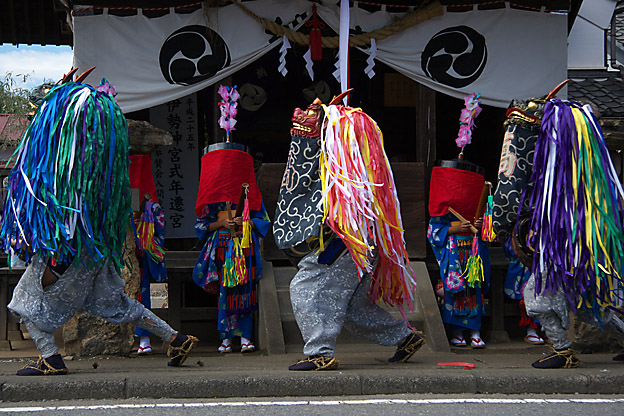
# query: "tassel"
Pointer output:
{"type": "Point", "coordinates": [474, 268]}
{"type": "Point", "coordinates": [145, 235]}
{"type": "Point", "coordinates": [487, 232]}
{"type": "Point", "coordinates": [234, 268]}
{"type": "Point", "coordinates": [315, 40]}
{"type": "Point", "coordinates": [246, 243]}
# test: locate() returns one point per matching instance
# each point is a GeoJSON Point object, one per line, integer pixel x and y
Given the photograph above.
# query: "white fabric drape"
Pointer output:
{"type": "Point", "coordinates": [524, 52]}
{"type": "Point", "coordinates": [126, 50]}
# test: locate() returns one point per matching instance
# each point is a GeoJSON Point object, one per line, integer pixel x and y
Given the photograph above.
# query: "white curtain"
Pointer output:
{"type": "Point", "coordinates": [502, 54]}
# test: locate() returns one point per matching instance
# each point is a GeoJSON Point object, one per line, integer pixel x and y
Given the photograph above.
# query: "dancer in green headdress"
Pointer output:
{"type": "Point", "coordinates": [68, 209]}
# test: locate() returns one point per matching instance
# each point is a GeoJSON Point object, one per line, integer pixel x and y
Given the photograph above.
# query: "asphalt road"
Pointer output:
{"type": "Point", "coordinates": [456, 405]}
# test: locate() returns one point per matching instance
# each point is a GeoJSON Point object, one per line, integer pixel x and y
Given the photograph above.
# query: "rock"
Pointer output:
{"type": "Point", "coordinates": [87, 335]}
{"type": "Point", "coordinates": [591, 339]}
{"type": "Point", "coordinates": [145, 138]}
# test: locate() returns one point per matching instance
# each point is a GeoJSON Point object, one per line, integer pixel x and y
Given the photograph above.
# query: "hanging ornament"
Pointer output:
{"type": "Point", "coordinates": [282, 59]}
{"type": "Point", "coordinates": [315, 40]}
{"type": "Point", "coordinates": [309, 64]}
{"type": "Point", "coordinates": [228, 108]}
{"type": "Point", "coordinates": [336, 73]}
{"type": "Point", "coordinates": [466, 120]}
{"type": "Point", "coordinates": [370, 61]}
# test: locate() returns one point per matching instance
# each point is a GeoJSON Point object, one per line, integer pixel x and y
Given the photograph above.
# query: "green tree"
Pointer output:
{"type": "Point", "coordinates": [13, 100]}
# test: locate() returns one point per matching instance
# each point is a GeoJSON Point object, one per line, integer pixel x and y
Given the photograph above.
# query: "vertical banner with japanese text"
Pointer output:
{"type": "Point", "coordinates": [176, 167]}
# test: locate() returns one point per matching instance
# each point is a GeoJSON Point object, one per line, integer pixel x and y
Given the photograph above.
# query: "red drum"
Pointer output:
{"type": "Point", "coordinates": [457, 184]}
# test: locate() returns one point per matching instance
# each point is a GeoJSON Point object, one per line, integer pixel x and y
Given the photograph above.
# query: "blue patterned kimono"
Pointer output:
{"type": "Point", "coordinates": [515, 280]}
{"type": "Point", "coordinates": [151, 269]}
{"type": "Point", "coordinates": [237, 304]}
{"type": "Point", "coordinates": [463, 305]}
{"type": "Point", "coordinates": [517, 274]}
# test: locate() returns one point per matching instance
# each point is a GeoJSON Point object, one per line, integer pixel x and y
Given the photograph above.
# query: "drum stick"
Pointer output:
{"type": "Point", "coordinates": [239, 207]}
{"type": "Point", "coordinates": [483, 200]}
{"type": "Point", "coordinates": [241, 200]}
{"type": "Point", "coordinates": [473, 229]}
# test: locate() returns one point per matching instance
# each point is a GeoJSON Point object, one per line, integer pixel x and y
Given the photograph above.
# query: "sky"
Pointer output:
{"type": "Point", "coordinates": [38, 62]}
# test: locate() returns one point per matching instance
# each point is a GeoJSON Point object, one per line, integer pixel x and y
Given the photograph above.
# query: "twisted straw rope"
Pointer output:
{"type": "Point", "coordinates": [408, 20]}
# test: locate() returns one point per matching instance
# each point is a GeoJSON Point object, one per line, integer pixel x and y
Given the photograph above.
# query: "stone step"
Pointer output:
{"type": "Point", "coordinates": [184, 259]}
{"type": "Point", "coordinates": [283, 276]}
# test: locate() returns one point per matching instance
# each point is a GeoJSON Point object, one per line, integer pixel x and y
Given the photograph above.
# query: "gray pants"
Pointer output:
{"type": "Point", "coordinates": [96, 288]}
{"type": "Point", "coordinates": [552, 311]}
{"type": "Point", "coordinates": [324, 298]}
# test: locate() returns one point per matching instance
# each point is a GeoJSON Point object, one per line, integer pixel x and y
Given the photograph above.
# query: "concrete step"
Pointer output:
{"type": "Point", "coordinates": [184, 259]}
{"type": "Point", "coordinates": [283, 276]}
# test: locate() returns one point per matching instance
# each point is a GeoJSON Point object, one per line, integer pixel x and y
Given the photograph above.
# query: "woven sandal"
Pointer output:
{"type": "Point", "coordinates": [458, 341]}
{"type": "Point", "coordinates": [315, 363]}
{"type": "Point", "coordinates": [407, 348]}
{"type": "Point", "coordinates": [477, 343]}
{"type": "Point", "coordinates": [144, 350]}
{"type": "Point", "coordinates": [558, 359]}
{"type": "Point", "coordinates": [249, 347]}
{"type": "Point", "coordinates": [44, 368]}
{"type": "Point", "coordinates": [534, 339]}
{"type": "Point", "coordinates": [225, 348]}
{"type": "Point", "coordinates": [178, 355]}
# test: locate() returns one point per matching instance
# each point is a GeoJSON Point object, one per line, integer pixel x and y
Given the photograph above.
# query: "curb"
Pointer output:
{"type": "Point", "coordinates": [191, 384]}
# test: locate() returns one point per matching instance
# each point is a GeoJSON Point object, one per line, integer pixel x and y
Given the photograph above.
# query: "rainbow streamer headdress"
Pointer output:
{"type": "Point", "coordinates": [576, 226]}
{"type": "Point", "coordinates": [69, 187]}
{"type": "Point", "coordinates": [360, 202]}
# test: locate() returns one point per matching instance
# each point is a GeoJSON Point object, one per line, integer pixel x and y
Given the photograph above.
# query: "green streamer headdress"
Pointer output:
{"type": "Point", "coordinates": [69, 187]}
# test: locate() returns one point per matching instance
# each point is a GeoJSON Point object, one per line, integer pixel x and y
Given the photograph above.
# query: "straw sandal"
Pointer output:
{"type": "Point", "coordinates": [407, 348]}
{"type": "Point", "coordinates": [44, 368]}
{"type": "Point", "coordinates": [315, 363]}
{"type": "Point", "coordinates": [178, 354]}
{"type": "Point", "coordinates": [558, 359]}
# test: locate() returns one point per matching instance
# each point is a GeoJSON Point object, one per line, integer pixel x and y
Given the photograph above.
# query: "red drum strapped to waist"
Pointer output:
{"type": "Point", "coordinates": [457, 184]}
{"type": "Point", "coordinates": [223, 171]}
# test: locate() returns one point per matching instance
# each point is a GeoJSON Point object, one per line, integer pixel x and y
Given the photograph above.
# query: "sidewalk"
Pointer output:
{"type": "Point", "coordinates": [501, 368]}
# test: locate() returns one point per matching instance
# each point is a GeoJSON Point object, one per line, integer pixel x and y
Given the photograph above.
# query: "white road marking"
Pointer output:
{"type": "Point", "coordinates": [312, 403]}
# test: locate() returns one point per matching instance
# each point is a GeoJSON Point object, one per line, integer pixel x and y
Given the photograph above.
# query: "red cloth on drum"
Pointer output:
{"type": "Point", "coordinates": [455, 188]}
{"type": "Point", "coordinates": [222, 174]}
{"type": "Point", "coordinates": [141, 176]}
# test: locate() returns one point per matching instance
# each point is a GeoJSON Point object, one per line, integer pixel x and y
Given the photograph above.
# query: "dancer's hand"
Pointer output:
{"type": "Point", "coordinates": [462, 228]}
{"type": "Point", "coordinates": [479, 223]}
{"type": "Point", "coordinates": [237, 221]}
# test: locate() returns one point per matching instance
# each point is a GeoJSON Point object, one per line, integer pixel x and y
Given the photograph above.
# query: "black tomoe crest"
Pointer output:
{"type": "Point", "coordinates": [192, 54]}
{"type": "Point", "coordinates": [455, 56]}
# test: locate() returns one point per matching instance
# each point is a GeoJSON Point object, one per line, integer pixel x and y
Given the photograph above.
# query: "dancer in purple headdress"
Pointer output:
{"type": "Point", "coordinates": [557, 177]}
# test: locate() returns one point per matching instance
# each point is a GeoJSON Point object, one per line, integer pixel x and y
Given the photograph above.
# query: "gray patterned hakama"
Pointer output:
{"type": "Point", "coordinates": [97, 289]}
{"type": "Point", "coordinates": [552, 311]}
{"type": "Point", "coordinates": [326, 298]}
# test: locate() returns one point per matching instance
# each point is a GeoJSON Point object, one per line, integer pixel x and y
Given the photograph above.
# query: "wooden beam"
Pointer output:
{"type": "Point", "coordinates": [12, 17]}
{"type": "Point", "coordinates": [42, 25]}
{"type": "Point", "coordinates": [28, 33]}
